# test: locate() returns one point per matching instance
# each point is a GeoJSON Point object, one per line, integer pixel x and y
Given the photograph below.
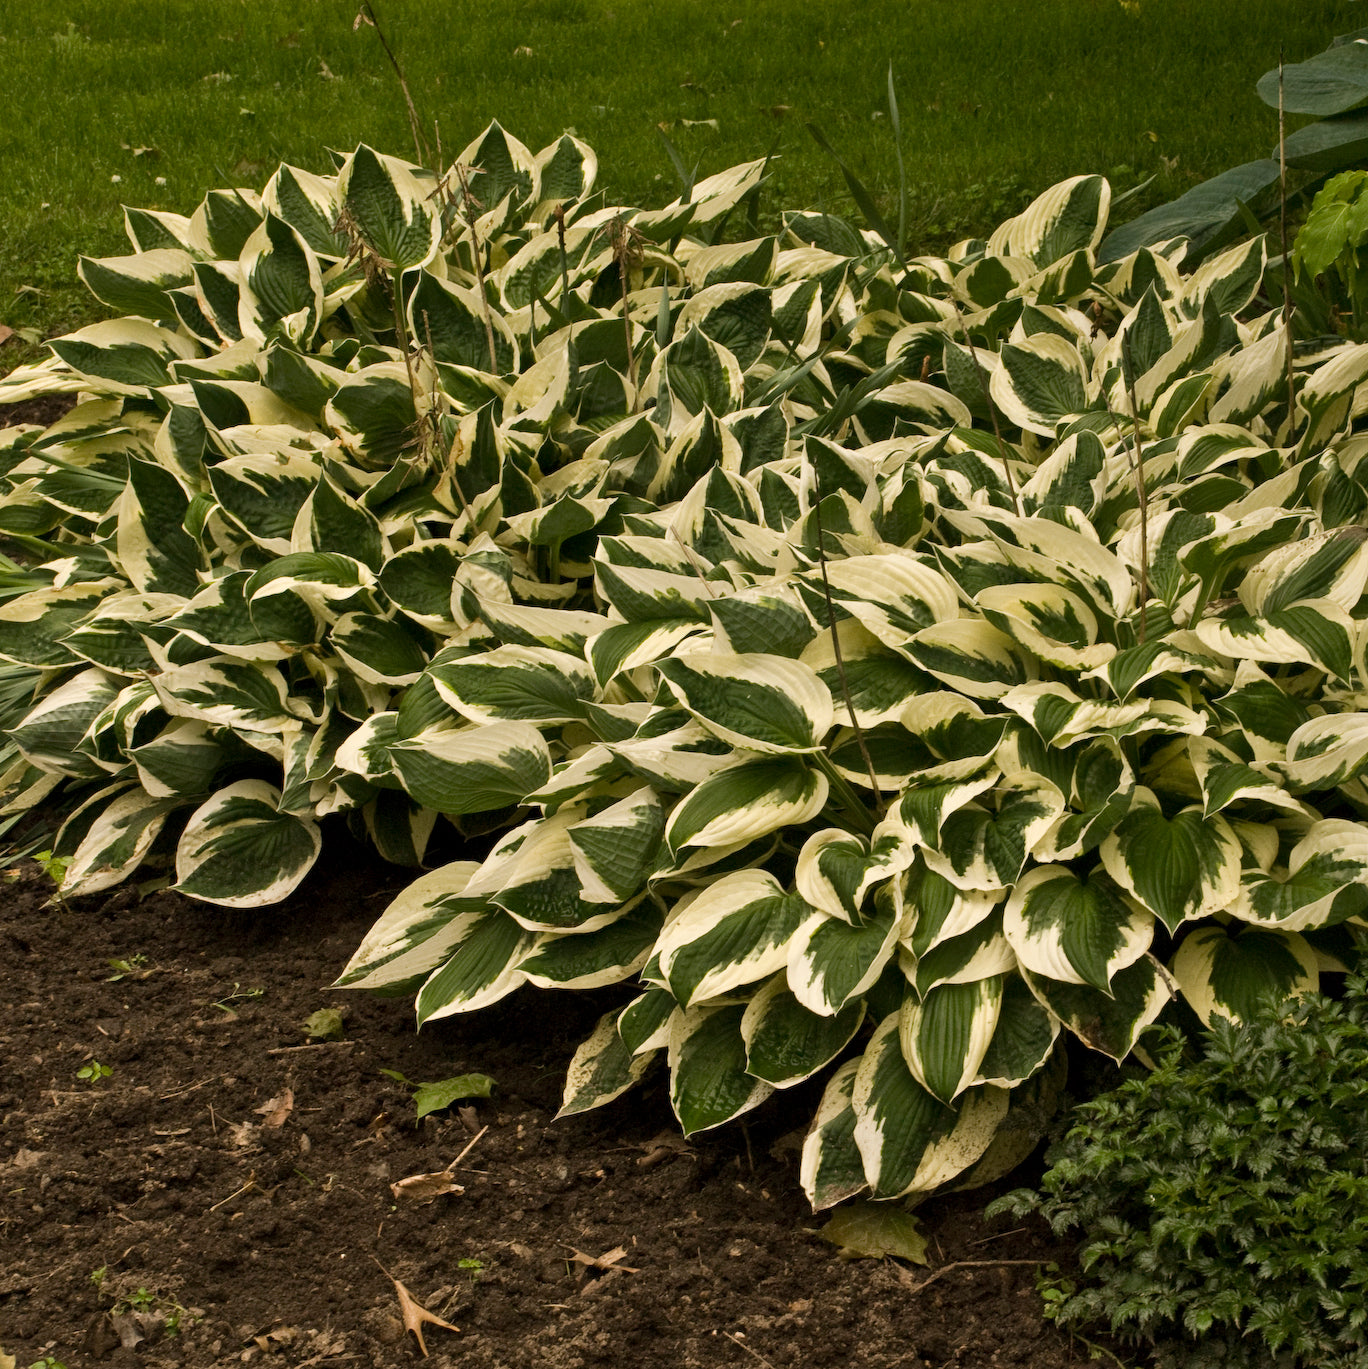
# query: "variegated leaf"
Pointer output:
{"type": "Point", "coordinates": [416, 932]}
{"type": "Point", "coordinates": [734, 932]}
{"type": "Point", "coordinates": [785, 1042]}
{"type": "Point", "coordinates": [591, 960]}
{"type": "Point", "coordinates": [979, 849]}
{"type": "Point", "coordinates": [708, 1080]}
{"type": "Point", "coordinates": [746, 801]}
{"type": "Point", "coordinates": [832, 1169]}
{"type": "Point", "coordinates": [1108, 1022]}
{"type": "Point", "coordinates": [837, 869]}
{"type": "Point", "coordinates": [945, 1035]}
{"type": "Point", "coordinates": [240, 850]}
{"type": "Point", "coordinates": [616, 849]}
{"type": "Point", "coordinates": [1072, 930]}
{"type": "Point", "coordinates": [1326, 880]}
{"type": "Point", "coordinates": [1180, 868]}
{"type": "Point", "coordinates": [481, 968]}
{"type": "Point", "coordinates": [1023, 1039]}
{"type": "Point", "coordinates": [763, 703]}
{"type": "Point", "coordinates": [603, 1068]}
{"type": "Point", "coordinates": [1236, 976]}
{"type": "Point", "coordinates": [392, 211]}
{"type": "Point", "coordinates": [116, 842]}
{"type": "Point", "coordinates": [832, 962]}
{"type": "Point", "coordinates": [515, 684]}
{"type": "Point", "coordinates": [473, 769]}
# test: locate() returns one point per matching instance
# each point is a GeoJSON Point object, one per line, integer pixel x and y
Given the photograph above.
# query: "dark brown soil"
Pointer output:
{"type": "Point", "coordinates": [271, 1239]}
{"type": "Point", "coordinates": [45, 409]}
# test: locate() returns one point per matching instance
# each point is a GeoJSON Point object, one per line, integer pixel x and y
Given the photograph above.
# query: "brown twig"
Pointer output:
{"type": "Point", "coordinates": [366, 15]}
{"type": "Point", "coordinates": [968, 1264]}
{"type": "Point", "coordinates": [754, 1354]}
{"type": "Point", "coordinates": [312, 1046]}
{"type": "Point", "coordinates": [468, 1148]}
{"type": "Point", "coordinates": [1138, 466]}
{"type": "Point", "coordinates": [190, 1088]}
{"type": "Point", "coordinates": [247, 1187]}
{"type": "Point", "coordinates": [992, 412]}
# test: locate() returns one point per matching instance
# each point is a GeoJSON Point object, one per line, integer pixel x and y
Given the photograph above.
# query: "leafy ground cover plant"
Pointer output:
{"type": "Point", "coordinates": [1211, 1195]}
{"type": "Point", "coordinates": [889, 664]}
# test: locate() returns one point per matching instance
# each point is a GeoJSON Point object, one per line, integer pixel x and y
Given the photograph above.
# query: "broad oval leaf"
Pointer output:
{"type": "Point", "coordinates": [240, 850]}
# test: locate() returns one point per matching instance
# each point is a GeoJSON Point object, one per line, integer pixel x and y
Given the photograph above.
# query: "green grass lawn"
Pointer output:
{"type": "Point", "coordinates": [153, 102]}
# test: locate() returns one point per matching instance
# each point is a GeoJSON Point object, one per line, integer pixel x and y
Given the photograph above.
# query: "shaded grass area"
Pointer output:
{"type": "Point", "coordinates": [153, 102]}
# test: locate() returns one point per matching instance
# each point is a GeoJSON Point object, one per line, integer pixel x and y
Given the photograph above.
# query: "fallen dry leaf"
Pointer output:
{"type": "Point", "coordinates": [423, 1188]}
{"type": "Point", "coordinates": [25, 1158]}
{"type": "Point", "coordinates": [132, 1328]}
{"type": "Point", "coordinates": [274, 1112]}
{"type": "Point", "coordinates": [660, 1148]}
{"type": "Point", "coordinates": [5, 335]}
{"type": "Point", "coordinates": [610, 1259]}
{"type": "Point", "coordinates": [242, 1134]}
{"type": "Point", "coordinates": [415, 1314]}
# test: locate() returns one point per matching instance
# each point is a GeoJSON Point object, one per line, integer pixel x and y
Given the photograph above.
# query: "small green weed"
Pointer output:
{"type": "Point", "coordinates": [444, 1092]}
{"type": "Point", "coordinates": [239, 994]}
{"type": "Point", "coordinates": [134, 964]}
{"type": "Point", "coordinates": [54, 867]}
{"type": "Point", "coordinates": [93, 1072]}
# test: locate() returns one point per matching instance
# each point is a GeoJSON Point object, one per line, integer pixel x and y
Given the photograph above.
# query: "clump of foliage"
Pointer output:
{"type": "Point", "coordinates": [1216, 1196]}
{"type": "Point", "coordinates": [891, 664]}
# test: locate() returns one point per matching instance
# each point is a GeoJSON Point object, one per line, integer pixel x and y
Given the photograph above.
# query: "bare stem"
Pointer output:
{"type": "Point", "coordinates": [626, 252]}
{"type": "Point", "coordinates": [565, 291]}
{"type": "Point", "coordinates": [367, 15]}
{"type": "Point", "coordinates": [836, 644]}
{"type": "Point", "coordinates": [396, 282]}
{"type": "Point", "coordinates": [1287, 260]}
{"type": "Point", "coordinates": [992, 412]}
{"type": "Point", "coordinates": [478, 252]}
{"type": "Point", "coordinates": [1138, 466]}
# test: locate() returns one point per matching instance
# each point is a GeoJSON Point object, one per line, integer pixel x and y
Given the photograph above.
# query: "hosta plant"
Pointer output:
{"type": "Point", "coordinates": [887, 665]}
{"type": "Point", "coordinates": [1211, 1196]}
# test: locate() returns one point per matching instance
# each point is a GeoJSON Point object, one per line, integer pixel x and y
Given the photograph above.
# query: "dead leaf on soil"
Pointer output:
{"type": "Point", "coordinates": [242, 1134]}
{"type": "Point", "coordinates": [274, 1112]}
{"type": "Point", "coordinates": [413, 1312]}
{"type": "Point", "coordinates": [278, 1336]}
{"type": "Point", "coordinates": [6, 1361]}
{"type": "Point", "coordinates": [610, 1259]}
{"type": "Point", "coordinates": [100, 1337]}
{"type": "Point", "coordinates": [865, 1231]}
{"type": "Point", "coordinates": [133, 1328]}
{"type": "Point", "coordinates": [423, 1188]}
{"type": "Point", "coordinates": [324, 1025]}
{"type": "Point", "coordinates": [25, 1159]}
{"type": "Point", "coordinates": [5, 335]}
{"type": "Point", "coordinates": [660, 1148]}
